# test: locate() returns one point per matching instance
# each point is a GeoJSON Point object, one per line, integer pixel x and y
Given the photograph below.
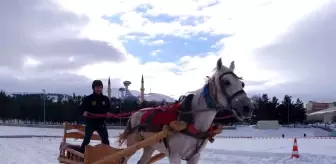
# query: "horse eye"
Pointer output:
{"type": "Point", "coordinates": [243, 85]}
{"type": "Point", "coordinates": [226, 82]}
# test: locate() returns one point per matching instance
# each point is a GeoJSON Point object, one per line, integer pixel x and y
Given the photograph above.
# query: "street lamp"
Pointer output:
{"type": "Point", "coordinates": [288, 113]}
{"type": "Point", "coordinates": [120, 113]}
{"type": "Point", "coordinates": [44, 96]}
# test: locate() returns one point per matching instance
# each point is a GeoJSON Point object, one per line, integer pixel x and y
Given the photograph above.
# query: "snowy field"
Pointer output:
{"type": "Point", "coordinates": [241, 131]}
{"type": "Point", "coordinates": [255, 150]}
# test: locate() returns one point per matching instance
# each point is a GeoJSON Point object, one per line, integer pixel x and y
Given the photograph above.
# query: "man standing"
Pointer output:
{"type": "Point", "coordinates": [96, 103]}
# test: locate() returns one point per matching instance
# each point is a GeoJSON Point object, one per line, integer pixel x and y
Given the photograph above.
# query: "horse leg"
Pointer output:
{"type": "Point", "coordinates": [195, 159]}
{"type": "Point", "coordinates": [146, 155]}
{"type": "Point", "coordinates": [130, 141]}
{"type": "Point", "coordinates": [175, 158]}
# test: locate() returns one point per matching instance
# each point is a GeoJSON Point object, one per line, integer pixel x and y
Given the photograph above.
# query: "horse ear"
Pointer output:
{"type": "Point", "coordinates": [219, 64]}
{"type": "Point", "coordinates": [232, 65]}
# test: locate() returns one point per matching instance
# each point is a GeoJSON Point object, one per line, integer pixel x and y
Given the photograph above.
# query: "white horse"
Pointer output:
{"type": "Point", "coordinates": [224, 89]}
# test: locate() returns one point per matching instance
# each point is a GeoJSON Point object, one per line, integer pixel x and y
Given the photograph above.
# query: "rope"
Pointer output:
{"type": "Point", "coordinates": [118, 115]}
{"type": "Point", "coordinates": [224, 117]}
{"type": "Point", "coordinates": [128, 114]}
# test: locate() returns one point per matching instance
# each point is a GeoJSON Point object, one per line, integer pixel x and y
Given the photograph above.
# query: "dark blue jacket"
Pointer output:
{"type": "Point", "coordinates": [95, 104]}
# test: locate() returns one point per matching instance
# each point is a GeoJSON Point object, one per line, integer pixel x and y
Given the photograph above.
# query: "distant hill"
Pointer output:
{"type": "Point", "coordinates": [115, 93]}
{"type": "Point", "coordinates": [148, 96]}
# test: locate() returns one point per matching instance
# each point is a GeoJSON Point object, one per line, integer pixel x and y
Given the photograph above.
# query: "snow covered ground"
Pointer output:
{"type": "Point", "coordinates": [241, 131]}
{"type": "Point", "coordinates": [255, 150]}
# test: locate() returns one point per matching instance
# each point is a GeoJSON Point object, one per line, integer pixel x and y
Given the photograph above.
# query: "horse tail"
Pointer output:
{"type": "Point", "coordinates": [128, 130]}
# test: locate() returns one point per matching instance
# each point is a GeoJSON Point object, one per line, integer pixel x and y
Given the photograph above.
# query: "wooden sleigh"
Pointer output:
{"type": "Point", "coordinates": [104, 154]}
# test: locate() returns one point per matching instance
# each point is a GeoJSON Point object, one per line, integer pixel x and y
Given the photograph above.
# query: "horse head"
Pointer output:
{"type": "Point", "coordinates": [227, 90]}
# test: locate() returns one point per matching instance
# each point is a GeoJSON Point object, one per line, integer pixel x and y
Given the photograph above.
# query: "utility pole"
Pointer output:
{"type": "Point", "coordinates": [44, 113]}
{"type": "Point", "coordinates": [120, 113]}
{"type": "Point", "coordinates": [288, 111]}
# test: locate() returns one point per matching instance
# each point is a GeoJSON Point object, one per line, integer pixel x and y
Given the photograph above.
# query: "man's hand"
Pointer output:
{"type": "Point", "coordinates": [85, 113]}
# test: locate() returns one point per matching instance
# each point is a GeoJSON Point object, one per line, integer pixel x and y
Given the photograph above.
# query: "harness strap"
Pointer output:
{"type": "Point", "coordinates": [196, 150]}
{"type": "Point", "coordinates": [192, 132]}
{"type": "Point", "coordinates": [208, 100]}
{"type": "Point", "coordinates": [203, 136]}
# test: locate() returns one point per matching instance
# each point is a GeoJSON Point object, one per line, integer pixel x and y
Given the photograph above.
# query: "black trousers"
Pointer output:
{"type": "Point", "coordinates": [89, 129]}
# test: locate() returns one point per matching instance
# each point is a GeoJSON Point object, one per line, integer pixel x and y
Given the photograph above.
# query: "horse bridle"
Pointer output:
{"type": "Point", "coordinates": [229, 98]}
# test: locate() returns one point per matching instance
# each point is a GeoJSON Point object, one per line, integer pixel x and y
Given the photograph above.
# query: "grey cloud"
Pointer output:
{"type": "Point", "coordinates": [305, 55]}
{"type": "Point", "coordinates": [83, 51]}
{"type": "Point", "coordinates": [59, 83]}
{"type": "Point", "coordinates": [44, 31]}
{"type": "Point", "coordinates": [41, 29]}
{"type": "Point", "coordinates": [53, 81]}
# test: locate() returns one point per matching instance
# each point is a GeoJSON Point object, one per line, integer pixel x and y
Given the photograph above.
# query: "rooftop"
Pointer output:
{"type": "Point", "coordinates": [329, 110]}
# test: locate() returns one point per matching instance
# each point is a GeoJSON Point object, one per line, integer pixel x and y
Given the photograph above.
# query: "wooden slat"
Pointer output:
{"type": "Point", "coordinates": [74, 135]}
{"type": "Point", "coordinates": [68, 161]}
{"type": "Point", "coordinates": [95, 137]}
{"type": "Point", "coordinates": [77, 135]}
{"type": "Point", "coordinates": [68, 126]}
{"type": "Point", "coordinates": [75, 152]}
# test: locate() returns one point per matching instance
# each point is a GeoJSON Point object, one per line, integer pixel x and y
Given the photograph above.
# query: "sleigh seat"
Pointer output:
{"type": "Point", "coordinates": [70, 154]}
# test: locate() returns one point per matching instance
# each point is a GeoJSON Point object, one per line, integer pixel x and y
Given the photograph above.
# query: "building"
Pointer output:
{"type": "Point", "coordinates": [109, 89]}
{"type": "Point", "coordinates": [326, 115]}
{"type": "Point", "coordinates": [126, 95]}
{"type": "Point", "coordinates": [142, 90]}
{"type": "Point", "coordinates": [313, 106]}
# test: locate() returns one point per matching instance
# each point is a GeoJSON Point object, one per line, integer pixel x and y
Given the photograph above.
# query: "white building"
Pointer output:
{"type": "Point", "coordinates": [313, 106]}
{"type": "Point", "coordinates": [326, 115]}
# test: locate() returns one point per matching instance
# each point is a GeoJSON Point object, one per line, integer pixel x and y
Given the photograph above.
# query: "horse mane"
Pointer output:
{"type": "Point", "coordinates": [195, 91]}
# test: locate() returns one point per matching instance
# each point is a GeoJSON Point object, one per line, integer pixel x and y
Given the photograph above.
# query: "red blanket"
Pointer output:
{"type": "Point", "coordinates": [161, 115]}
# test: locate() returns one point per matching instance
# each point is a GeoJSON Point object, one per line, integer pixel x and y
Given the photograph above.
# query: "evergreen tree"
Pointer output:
{"type": "Point", "coordinates": [29, 108]}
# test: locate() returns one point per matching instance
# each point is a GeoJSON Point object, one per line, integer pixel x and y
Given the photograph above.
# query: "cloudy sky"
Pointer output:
{"type": "Point", "coordinates": [279, 46]}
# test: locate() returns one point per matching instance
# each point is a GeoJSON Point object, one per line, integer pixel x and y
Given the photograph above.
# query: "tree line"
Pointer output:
{"type": "Point", "coordinates": [29, 108]}
{"type": "Point", "coordinates": [285, 111]}
{"type": "Point", "coordinates": [56, 108]}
